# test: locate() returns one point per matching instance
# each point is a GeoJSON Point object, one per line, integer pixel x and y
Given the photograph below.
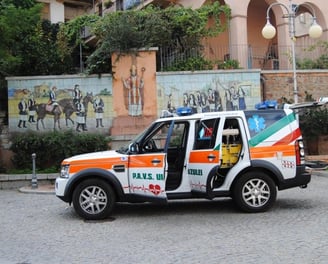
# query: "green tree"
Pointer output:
{"type": "Point", "coordinates": [124, 31]}
{"type": "Point", "coordinates": [70, 38]}
{"type": "Point", "coordinates": [28, 44]}
{"type": "Point", "coordinates": [18, 21]}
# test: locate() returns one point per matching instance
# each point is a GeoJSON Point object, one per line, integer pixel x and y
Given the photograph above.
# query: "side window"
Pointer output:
{"type": "Point", "coordinates": [206, 134]}
{"type": "Point", "coordinates": [231, 132]}
{"type": "Point", "coordinates": [231, 143]}
{"type": "Point", "coordinates": [179, 133]}
{"type": "Point", "coordinates": [156, 141]}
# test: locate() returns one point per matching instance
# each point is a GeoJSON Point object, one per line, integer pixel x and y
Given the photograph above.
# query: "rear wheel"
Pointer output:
{"type": "Point", "coordinates": [93, 199]}
{"type": "Point", "coordinates": [255, 192]}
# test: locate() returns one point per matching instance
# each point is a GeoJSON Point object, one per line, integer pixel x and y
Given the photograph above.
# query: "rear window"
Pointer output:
{"type": "Point", "coordinates": [258, 121]}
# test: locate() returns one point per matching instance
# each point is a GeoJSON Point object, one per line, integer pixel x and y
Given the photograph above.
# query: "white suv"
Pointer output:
{"type": "Point", "coordinates": [246, 155]}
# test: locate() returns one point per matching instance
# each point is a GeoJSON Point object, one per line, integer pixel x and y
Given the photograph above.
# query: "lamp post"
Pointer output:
{"type": "Point", "coordinates": [269, 32]}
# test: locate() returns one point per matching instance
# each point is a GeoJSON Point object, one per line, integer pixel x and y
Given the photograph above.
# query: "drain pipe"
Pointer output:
{"type": "Point", "coordinates": [262, 80]}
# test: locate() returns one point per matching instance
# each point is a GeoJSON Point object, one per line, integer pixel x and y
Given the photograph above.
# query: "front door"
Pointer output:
{"type": "Point", "coordinates": [148, 167]}
{"type": "Point", "coordinates": [146, 173]}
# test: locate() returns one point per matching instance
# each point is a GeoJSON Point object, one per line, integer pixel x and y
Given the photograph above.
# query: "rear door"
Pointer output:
{"type": "Point", "coordinates": [205, 155]}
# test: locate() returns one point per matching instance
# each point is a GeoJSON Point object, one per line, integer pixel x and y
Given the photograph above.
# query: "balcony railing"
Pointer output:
{"type": "Point", "coordinates": [266, 58]}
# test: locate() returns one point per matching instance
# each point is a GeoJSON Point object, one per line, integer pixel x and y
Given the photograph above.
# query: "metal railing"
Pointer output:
{"type": "Point", "coordinates": [273, 57]}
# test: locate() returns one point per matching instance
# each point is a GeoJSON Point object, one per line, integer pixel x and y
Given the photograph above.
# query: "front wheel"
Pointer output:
{"type": "Point", "coordinates": [93, 199]}
{"type": "Point", "coordinates": [254, 192]}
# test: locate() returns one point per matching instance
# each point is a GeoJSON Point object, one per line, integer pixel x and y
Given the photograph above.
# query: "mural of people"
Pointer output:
{"type": "Point", "coordinates": [211, 99]}
{"type": "Point", "coordinates": [52, 100]}
{"type": "Point", "coordinates": [31, 108]}
{"type": "Point", "coordinates": [198, 102]}
{"type": "Point", "coordinates": [133, 86]}
{"type": "Point", "coordinates": [23, 111]}
{"type": "Point", "coordinates": [234, 97]}
{"type": "Point", "coordinates": [170, 105]}
{"type": "Point", "coordinates": [204, 103]}
{"type": "Point", "coordinates": [228, 99]}
{"type": "Point", "coordinates": [98, 106]}
{"type": "Point", "coordinates": [77, 96]}
{"type": "Point", "coordinates": [185, 100]}
{"type": "Point", "coordinates": [214, 100]}
{"type": "Point", "coordinates": [193, 103]}
{"type": "Point", "coordinates": [241, 98]}
{"type": "Point", "coordinates": [80, 117]}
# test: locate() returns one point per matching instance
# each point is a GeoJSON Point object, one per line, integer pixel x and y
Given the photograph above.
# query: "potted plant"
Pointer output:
{"type": "Point", "coordinates": [314, 127]}
{"type": "Point", "coordinates": [228, 64]}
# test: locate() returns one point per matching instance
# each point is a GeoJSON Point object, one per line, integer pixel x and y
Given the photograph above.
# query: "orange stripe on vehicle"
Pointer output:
{"type": "Point", "coordinates": [140, 161]}
{"type": "Point", "coordinates": [289, 138]}
{"type": "Point", "coordinates": [105, 163]}
{"type": "Point", "coordinates": [271, 151]}
{"type": "Point", "coordinates": [204, 156]}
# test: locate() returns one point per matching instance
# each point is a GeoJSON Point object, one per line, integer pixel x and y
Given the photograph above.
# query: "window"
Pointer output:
{"type": "Point", "coordinates": [156, 140]}
{"type": "Point", "coordinates": [206, 134]}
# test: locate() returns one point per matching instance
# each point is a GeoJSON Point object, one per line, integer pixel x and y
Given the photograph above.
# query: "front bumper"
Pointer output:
{"type": "Point", "coordinates": [60, 187]}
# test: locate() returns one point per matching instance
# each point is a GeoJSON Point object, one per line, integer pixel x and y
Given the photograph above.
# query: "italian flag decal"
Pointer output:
{"type": "Point", "coordinates": [283, 131]}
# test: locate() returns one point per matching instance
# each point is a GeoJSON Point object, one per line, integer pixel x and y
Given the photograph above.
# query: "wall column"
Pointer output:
{"type": "Point", "coordinates": [238, 40]}
{"type": "Point", "coordinates": [134, 90]}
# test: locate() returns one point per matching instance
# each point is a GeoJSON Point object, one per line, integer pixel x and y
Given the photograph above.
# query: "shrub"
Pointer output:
{"type": "Point", "coordinates": [229, 64]}
{"type": "Point", "coordinates": [197, 63]}
{"type": "Point", "coordinates": [52, 147]}
{"type": "Point", "coordinates": [314, 122]}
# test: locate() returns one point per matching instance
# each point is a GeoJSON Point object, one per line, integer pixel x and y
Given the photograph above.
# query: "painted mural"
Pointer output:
{"type": "Point", "coordinates": [115, 106]}
{"type": "Point", "coordinates": [82, 104]}
{"type": "Point", "coordinates": [221, 91]}
{"type": "Point", "coordinates": [134, 91]}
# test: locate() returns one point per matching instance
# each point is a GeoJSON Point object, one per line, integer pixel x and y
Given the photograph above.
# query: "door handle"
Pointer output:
{"type": "Point", "coordinates": [156, 161]}
{"type": "Point", "coordinates": [211, 157]}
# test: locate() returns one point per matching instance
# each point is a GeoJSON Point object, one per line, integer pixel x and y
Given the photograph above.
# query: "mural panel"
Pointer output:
{"type": "Point", "coordinates": [208, 92]}
{"type": "Point", "coordinates": [65, 102]}
{"type": "Point", "coordinates": [92, 104]}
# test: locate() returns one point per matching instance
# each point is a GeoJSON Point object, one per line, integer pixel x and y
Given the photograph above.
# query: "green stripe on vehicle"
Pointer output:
{"type": "Point", "coordinates": [274, 128]}
{"type": "Point", "coordinates": [217, 147]}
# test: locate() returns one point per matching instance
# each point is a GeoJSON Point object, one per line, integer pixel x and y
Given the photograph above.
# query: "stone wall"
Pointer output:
{"type": "Point", "coordinates": [278, 84]}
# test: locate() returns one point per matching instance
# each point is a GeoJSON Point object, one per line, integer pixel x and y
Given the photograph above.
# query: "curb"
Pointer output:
{"type": "Point", "coordinates": [41, 189]}
{"type": "Point", "coordinates": [17, 181]}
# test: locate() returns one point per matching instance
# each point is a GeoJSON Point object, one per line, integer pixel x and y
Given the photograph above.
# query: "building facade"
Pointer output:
{"type": "Point", "coordinates": [243, 41]}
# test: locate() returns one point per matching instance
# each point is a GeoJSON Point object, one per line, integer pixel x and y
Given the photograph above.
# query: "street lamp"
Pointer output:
{"type": "Point", "coordinates": [269, 32]}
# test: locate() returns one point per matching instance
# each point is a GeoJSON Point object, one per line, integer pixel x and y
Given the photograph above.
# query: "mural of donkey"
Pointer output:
{"type": "Point", "coordinates": [65, 106]}
{"type": "Point", "coordinates": [69, 107]}
{"type": "Point", "coordinates": [43, 109]}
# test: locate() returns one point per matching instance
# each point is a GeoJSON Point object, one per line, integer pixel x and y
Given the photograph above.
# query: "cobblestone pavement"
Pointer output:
{"type": "Point", "coordinates": [36, 228]}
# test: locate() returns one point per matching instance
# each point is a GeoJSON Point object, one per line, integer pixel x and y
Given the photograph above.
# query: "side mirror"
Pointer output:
{"type": "Point", "coordinates": [134, 148]}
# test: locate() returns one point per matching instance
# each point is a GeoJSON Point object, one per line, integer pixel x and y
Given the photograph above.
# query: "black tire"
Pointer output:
{"type": "Point", "coordinates": [93, 199]}
{"type": "Point", "coordinates": [254, 192]}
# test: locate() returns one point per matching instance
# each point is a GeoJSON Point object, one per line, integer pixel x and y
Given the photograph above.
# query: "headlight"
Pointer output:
{"type": "Point", "coordinates": [64, 172]}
